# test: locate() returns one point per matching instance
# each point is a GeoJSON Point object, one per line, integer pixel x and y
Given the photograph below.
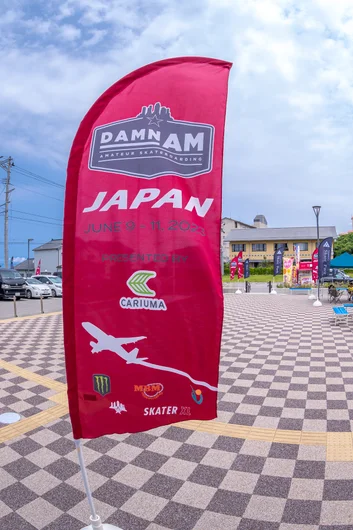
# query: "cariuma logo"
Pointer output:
{"type": "Point", "coordinates": [137, 283]}
{"type": "Point", "coordinates": [153, 144]}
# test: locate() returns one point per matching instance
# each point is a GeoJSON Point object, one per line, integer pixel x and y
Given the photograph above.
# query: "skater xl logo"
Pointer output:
{"type": "Point", "coordinates": [153, 144]}
{"type": "Point", "coordinates": [137, 283]}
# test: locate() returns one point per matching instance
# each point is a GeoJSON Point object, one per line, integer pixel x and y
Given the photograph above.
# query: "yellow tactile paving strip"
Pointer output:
{"type": "Point", "coordinates": [42, 418]}
{"type": "Point", "coordinates": [32, 376]}
{"type": "Point", "coordinates": [29, 317]}
{"type": "Point", "coordinates": [339, 445]}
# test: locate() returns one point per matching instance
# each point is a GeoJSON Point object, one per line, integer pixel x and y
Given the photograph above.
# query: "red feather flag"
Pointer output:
{"type": "Point", "coordinates": [143, 301]}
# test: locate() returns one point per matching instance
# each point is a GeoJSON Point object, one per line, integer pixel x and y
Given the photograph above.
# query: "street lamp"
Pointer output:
{"type": "Point", "coordinates": [28, 243]}
{"type": "Point", "coordinates": [317, 209]}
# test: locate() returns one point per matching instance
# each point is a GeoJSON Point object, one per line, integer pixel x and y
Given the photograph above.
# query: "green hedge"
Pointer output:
{"type": "Point", "coordinates": [261, 270]}
{"type": "Point", "coordinates": [253, 270]}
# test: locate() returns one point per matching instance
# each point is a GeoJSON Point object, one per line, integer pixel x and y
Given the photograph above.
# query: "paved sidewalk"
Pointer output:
{"type": "Point", "coordinates": [26, 307]}
{"type": "Point", "coordinates": [279, 457]}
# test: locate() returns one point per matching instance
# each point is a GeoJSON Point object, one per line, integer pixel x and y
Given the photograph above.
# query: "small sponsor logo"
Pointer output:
{"type": "Point", "coordinates": [101, 384]}
{"type": "Point", "coordinates": [327, 244]}
{"type": "Point", "coordinates": [152, 304]}
{"type": "Point", "coordinates": [118, 407]}
{"type": "Point", "coordinates": [197, 395]}
{"type": "Point", "coordinates": [151, 391]}
{"type": "Point", "coordinates": [153, 144]}
{"type": "Point", "coordinates": [160, 411]}
{"type": "Point", "coordinates": [137, 283]}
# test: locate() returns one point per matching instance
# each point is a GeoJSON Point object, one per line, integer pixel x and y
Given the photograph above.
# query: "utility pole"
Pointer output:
{"type": "Point", "coordinates": [6, 165]}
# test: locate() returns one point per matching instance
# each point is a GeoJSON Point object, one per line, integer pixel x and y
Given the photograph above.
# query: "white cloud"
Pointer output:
{"type": "Point", "coordinates": [69, 32]}
{"type": "Point", "coordinates": [289, 119]}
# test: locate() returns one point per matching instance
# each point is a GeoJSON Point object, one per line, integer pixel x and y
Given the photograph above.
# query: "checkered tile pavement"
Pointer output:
{"type": "Point", "coordinates": [35, 345]}
{"type": "Point", "coordinates": [177, 479]}
{"type": "Point", "coordinates": [24, 397]}
{"type": "Point", "coordinates": [285, 365]}
{"type": "Point", "coordinates": [172, 478]}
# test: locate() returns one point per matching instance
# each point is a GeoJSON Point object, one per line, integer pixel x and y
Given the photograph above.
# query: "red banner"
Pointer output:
{"type": "Point", "coordinates": [143, 301]}
{"type": "Point", "coordinates": [315, 265]}
{"type": "Point", "coordinates": [233, 267]}
{"type": "Point", "coordinates": [38, 267]}
{"type": "Point", "coordinates": [240, 266]}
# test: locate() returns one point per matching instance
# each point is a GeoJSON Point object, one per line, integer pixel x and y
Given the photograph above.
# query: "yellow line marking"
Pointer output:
{"type": "Point", "coordinates": [29, 317]}
{"type": "Point", "coordinates": [313, 438]}
{"type": "Point", "coordinates": [61, 399]}
{"type": "Point", "coordinates": [32, 376]}
{"type": "Point", "coordinates": [339, 445]}
{"type": "Point", "coordinates": [31, 423]}
{"type": "Point", "coordinates": [42, 418]}
{"type": "Point", "coordinates": [287, 437]}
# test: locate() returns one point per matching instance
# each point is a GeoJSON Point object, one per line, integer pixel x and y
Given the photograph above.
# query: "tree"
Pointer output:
{"type": "Point", "coordinates": [265, 263]}
{"type": "Point", "coordinates": [343, 244]}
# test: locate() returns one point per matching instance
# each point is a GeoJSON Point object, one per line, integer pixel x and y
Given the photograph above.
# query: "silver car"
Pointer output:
{"type": "Point", "coordinates": [36, 289]}
{"type": "Point", "coordinates": [53, 282]}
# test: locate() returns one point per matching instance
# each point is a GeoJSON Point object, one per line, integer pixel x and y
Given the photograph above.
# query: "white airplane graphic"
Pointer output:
{"type": "Point", "coordinates": [108, 342]}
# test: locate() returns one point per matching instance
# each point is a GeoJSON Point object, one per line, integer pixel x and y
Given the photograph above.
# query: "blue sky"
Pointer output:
{"type": "Point", "coordinates": [289, 123]}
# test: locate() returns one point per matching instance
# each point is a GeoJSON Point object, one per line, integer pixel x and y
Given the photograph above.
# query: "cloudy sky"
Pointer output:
{"type": "Point", "coordinates": [289, 124]}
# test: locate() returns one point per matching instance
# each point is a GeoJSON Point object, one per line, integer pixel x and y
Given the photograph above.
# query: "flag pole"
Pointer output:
{"type": "Point", "coordinates": [273, 290]}
{"type": "Point", "coordinates": [96, 523]}
{"type": "Point", "coordinates": [238, 291]}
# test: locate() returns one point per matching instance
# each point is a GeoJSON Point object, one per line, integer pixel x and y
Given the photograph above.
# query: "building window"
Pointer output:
{"type": "Point", "coordinates": [259, 247]}
{"type": "Point", "coordinates": [238, 247]}
{"type": "Point", "coordinates": [279, 245]}
{"type": "Point", "coordinates": [302, 246]}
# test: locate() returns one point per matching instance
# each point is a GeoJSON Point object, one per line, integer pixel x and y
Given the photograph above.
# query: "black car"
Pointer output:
{"type": "Point", "coordinates": [336, 276]}
{"type": "Point", "coordinates": [11, 284]}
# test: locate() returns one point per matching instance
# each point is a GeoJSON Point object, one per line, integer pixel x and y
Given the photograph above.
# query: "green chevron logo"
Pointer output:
{"type": "Point", "coordinates": [137, 283]}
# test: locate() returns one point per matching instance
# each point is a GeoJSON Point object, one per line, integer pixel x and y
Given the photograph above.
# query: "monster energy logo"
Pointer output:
{"type": "Point", "coordinates": [101, 384]}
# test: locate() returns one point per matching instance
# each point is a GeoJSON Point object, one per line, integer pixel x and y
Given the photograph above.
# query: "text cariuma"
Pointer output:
{"type": "Point", "coordinates": [173, 197]}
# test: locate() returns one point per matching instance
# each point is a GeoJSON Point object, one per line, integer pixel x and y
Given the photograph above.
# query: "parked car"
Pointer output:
{"type": "Point", "coordinates": [11, 284]}
{"type": "Point", "coordinates": [53, 282]}
{"type": "Point", "coordinates": [58, 274]}
{"type": "Point", "coordinates": [36, 289]}
{"type": "Point", "coordinates": [336, 276]}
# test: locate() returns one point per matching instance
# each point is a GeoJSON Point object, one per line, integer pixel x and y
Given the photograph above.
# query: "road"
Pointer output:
{"type": "Point", "coordinates": [28, 307]}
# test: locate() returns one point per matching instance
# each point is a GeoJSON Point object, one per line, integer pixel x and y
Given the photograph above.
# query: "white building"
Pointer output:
{"type": "Point", "coordinates": [229, 224]}
{"type": "Point", "coordinates": [50, 255]}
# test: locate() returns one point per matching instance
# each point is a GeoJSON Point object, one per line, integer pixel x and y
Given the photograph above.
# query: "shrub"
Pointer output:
{"type": "Point", "coordinates": [261, 270]}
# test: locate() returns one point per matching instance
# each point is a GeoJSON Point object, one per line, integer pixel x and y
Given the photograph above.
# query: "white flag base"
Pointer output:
{"type": "Point", "coordinates": [312, 296]}
{"type": "Point", "coordinates": [97, 525]}
{"type": "Point", "coordinates": [273, 291]}
{"type": "Point", "coordinates": [238, 291]}
{"type": "Point", "coordinates": [317, 303]}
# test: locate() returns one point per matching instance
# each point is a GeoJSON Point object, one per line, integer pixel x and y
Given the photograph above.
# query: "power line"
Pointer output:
{"type": "Point", "coordinates": [39, 178]}
{"type": "Point", "coordinates": [38, 193]}
{"type": "Point", "coordinates": [22, 243]}
{"type": "Point", "coordinates": [36, 215]}
{"type": "Point", "coordinates": [35, 221]}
